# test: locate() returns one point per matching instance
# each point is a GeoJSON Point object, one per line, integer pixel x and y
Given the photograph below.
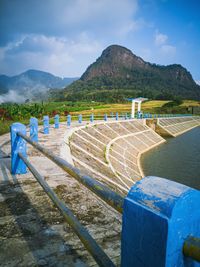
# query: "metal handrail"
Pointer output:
{"type": "Point", "coordinates": [110, 197]}
{"type": "Point", "coordinates": [191, 246]}
{"type": "Point", "coordinates": [98, 254]}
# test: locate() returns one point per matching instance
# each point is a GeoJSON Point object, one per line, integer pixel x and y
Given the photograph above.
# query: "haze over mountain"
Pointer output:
{"type": "Point", "coordinates": [32, 85]}
{"type": "Point", "coordinates": [118, 73]}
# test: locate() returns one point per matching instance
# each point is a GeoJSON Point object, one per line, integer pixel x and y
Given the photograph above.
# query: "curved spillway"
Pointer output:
{"type": "Point", "coordinates": [110, 151]}
{"type": "Point", "coordinates": [177, 126]}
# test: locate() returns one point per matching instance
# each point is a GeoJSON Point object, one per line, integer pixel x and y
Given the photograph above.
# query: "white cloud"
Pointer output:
{"type": "Point", "coordinates": [65, 36]}
{"type": "Point", "coordinates": [160, 38]}
{"type": "Point", "coordinates": [67, 17]}
{"type": "Point", "coordinates": [169, 50]}
{"type": "Point", "coordinates": [60, 56]}
{"type": "Point", "coordinates": [164, 48]}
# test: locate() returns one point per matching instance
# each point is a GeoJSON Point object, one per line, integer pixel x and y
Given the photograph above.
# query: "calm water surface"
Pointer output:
{"type": "Point", "coordinates": [178, 159]}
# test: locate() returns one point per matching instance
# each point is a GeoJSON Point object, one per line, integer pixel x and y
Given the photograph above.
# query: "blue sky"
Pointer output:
{"type": "Point", "coordinates": [65, 36]}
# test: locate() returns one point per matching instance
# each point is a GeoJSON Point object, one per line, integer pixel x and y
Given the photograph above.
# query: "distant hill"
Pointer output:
{"type": "Point", "coordinates": [118, 73]}
{"type": "Point", "coordinates": [32, 85]}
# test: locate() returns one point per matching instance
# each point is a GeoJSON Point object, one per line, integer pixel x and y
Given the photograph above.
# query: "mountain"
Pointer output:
{"type": "Point", "coordinates": [32, 85]}
{"type": "Point", "coordinates": [118, 73]}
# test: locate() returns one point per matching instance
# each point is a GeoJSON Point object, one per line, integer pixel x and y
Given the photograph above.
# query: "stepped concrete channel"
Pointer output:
{"type": "Point", "coordinates": [32, 231]}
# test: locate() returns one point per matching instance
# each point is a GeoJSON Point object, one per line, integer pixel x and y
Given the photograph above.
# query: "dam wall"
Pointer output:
{"type": "Point", "coordinates": [111, 151]}
{"type": "Point", "coordinates": [176, 126]}
{"type": "Point", "coordinates": [34, 233]}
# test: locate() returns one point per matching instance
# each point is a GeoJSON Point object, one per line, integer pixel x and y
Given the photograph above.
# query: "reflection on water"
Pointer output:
{"type": "Point", "coordinates": [178, 159]}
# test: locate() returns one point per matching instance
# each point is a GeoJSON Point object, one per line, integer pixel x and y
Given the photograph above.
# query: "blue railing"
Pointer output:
{"type": "Point", "coordinates": [80, 119]}
{"type": "Point", "coordinates": [160, 218]}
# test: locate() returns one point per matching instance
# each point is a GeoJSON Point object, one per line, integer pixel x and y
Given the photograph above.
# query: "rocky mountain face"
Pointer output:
{"type": "Point", "coordinates": [114, 62]}
{"type": "Point", "coordinates": [32, 85]}
{"type": "Point", "coordinates": [118, 73]}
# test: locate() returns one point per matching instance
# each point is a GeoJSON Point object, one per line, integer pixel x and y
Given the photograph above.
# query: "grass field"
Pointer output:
{"type": "Point", "coordinates": [22, 113]}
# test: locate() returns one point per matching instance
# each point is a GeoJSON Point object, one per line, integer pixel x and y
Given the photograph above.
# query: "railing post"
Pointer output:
{"type": "Point", "coordinates": [34, 129]}
{"type": "Point", "coordinates": [158, 216]}
{"type": "Point", "coordinates": [18, 144]}
{"type": "Point", "coordinates": [91, 117]}
{"type": "Point", "coordinates": [46, 124]}
{"type": "Point", "coordinates": [105, 117]}
{"type": "Point", "coordinates": [56, 121]}
{"type": "Point", "coordinates": [117, 115]}
{"type": "Point", "coordinates": [80, 118]}
{"type": "Point", "coordinates": [126, 116]}
{"type": "Point", "coordinates": [69, 119]}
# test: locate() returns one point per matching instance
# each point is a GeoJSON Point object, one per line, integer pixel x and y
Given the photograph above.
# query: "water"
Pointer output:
{"type": "Point", "coordinates": [178, 159]}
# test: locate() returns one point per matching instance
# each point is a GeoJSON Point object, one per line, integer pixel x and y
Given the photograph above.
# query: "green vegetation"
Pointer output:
{"type": "Point", "coordinates": [10, 113]}
{"type": "Point", "coordinates": [105, 90]}
{"type": "Point", "coordinates": [118, 74]}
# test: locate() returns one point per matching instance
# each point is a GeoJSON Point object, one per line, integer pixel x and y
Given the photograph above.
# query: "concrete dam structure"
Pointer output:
{"type": "Point", "coordinates": [34, 233]}
{"type": "Point", "coordinates": [177, 126]}
{"type": "Point", "coordinates": [111, 151]}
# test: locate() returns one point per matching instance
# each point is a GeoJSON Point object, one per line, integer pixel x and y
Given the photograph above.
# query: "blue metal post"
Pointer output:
{"type": "Point", "coordinates": [80, 118]}
{"type": "Point", "coordinates": [158, 216]}
{"type": "Point", "coordinates": [46, 124]}
{"type": "Point", "coordinates": [105, 117]}
{"type": "Point", "coordinates": [34, 129]}
{"type": "Point", "coordinates": [91, 117]}
{"type": "Point", "coordinates": [18, 144]}
{"type": "Point", "coordinates": [126, 116]}
{"type": "Point", "coordinates": [69, 120]}
{"type": "Point", "coordinates": [117, 115]}
{"type": "Point", "coordinates": [56, 121]}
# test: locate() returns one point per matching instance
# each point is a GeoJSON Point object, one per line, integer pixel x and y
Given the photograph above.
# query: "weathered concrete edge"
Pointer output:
{"type": "Point", "coordinates": [181, 132]}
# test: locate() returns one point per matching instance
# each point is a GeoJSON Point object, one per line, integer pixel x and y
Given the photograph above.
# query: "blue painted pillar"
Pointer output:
{"type": "Point", "coordinates": [105, 117]}
{"type": "Point", "coordinates": [46, 124]}
{"type": "Point", "coordinates": [80, 118]}
{"type": "Point", "coordinates": [18, 144]}
{"type": "Point", "coordinates": [126, 116]}
{"type": "Point", "coordinates": [158, 215]}
{"type": "Point", "coordinates": [91, 117]}
{"type": "Point", "coordinates": [117, 116]}
{"type": "Point", "coordinates": [56, 121]}
{"type": "Point", "coordinates": [69, 119]}
{"type": "Point", "coordinates": [34, 129]}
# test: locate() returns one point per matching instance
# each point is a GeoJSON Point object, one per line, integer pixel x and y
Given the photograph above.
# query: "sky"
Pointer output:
{"type": "Point", "coordinates": [64, 37]}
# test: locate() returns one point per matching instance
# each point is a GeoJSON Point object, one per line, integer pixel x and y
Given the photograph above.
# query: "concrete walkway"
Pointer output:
{"type": "Point", "coordinates": [32, 231]}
